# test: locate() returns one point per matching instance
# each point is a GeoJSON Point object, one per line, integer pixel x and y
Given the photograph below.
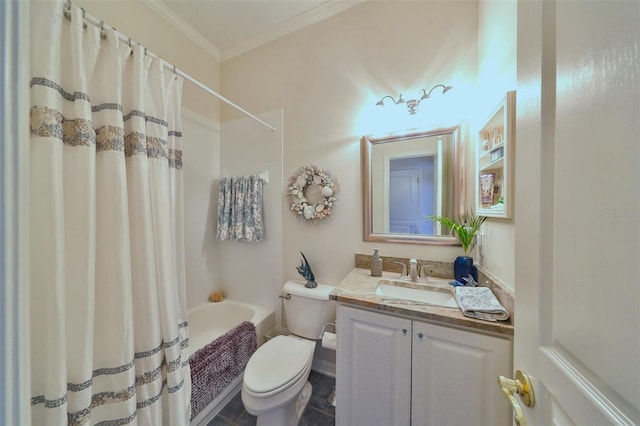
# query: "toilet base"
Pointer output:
{"type": "Point", "coordinates": [288, 415]}
{"type": "Point", "coordinates": [303, 399]}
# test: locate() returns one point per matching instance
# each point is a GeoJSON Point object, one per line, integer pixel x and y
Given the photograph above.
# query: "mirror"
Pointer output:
{"type": "Point", "coordinates": [408, 177]}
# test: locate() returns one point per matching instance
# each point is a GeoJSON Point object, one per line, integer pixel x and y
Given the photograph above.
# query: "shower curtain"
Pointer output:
{"type": "Point", "coordinates": [109, 333]}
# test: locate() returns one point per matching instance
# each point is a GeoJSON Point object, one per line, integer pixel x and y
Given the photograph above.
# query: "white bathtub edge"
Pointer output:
{"type": "Point", "coordinates": [214, 407]}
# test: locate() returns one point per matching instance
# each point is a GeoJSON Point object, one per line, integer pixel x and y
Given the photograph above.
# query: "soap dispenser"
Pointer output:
{"type": "Point", "coordinates": [376, 264]}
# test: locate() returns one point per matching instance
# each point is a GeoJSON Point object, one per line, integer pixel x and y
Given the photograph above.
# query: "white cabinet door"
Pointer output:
{"type": "Point", "coordinates": [454, 377]}
{"type": "Point", "coordinates": [373, 369]}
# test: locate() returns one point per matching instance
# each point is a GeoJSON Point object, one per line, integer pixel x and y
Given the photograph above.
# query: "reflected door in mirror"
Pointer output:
{"type": "Point", "coordinates": [412, 184]}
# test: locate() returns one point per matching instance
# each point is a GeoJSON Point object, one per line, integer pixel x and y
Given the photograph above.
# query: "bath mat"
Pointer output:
{"type": "Point", "coordinates": [214, 366]}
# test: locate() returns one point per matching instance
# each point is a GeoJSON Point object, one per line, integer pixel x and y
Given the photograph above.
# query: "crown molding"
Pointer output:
{"type": "Point", "coordinates": [186, 29]}
{"type": "Point", "coordinates": [317, 14]}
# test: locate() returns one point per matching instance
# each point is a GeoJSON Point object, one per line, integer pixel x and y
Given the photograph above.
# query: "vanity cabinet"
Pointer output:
{"type": "Point", "coordinates": [495, 153]}
{"type": "Point", "coordinates": [397, 371]}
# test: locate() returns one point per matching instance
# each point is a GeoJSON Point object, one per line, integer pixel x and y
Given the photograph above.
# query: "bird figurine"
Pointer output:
{"type": "Point", "coordinates": [305, 270]}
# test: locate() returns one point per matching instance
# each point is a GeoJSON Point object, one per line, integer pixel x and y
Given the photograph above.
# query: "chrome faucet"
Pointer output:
{"type": "Point", "coordinates": [404, 268]}
{"type": "Point", "coordinates": [413, 270]}
{"type": "Point", "coordinates": [423, 274]}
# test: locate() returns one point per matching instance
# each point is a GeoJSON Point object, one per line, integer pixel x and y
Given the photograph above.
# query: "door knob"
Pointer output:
{"type": "Point", "coordinates": [522, 386]}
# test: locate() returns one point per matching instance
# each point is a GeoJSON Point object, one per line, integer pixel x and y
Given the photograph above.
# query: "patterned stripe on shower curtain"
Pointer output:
{"type": "Point", "coordinates": [240, 209]}
{"type": "Point", "coordinates": [109, 332]}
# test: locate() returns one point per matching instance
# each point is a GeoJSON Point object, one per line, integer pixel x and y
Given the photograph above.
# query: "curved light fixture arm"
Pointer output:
{"type": "Point", "coordinates": [412, 104]}
{"type": "Point", "coordinates": [381, 101]}
{"type": "Point", "coordinates": [445, 89]}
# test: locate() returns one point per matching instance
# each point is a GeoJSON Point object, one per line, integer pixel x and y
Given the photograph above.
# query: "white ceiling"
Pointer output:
{"type": "Point", "coordinates": [229, 27]}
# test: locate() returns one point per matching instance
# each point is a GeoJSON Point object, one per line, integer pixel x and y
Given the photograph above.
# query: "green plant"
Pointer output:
{"type": "Point", "coordinates": [465, 228]}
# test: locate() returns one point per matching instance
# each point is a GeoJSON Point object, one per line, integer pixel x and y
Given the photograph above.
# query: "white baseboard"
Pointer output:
{"type": "Point", "coordinates": [324, 367]}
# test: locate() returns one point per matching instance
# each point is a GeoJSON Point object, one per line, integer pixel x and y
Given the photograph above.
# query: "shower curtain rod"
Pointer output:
{"type": "Point", "coordinates": [218, 95]}
{"type": "Point", "coordinates": [94, 21]}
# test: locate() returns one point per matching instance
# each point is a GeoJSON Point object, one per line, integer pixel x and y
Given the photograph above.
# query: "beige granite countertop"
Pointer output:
{"type": "Point", "coordinates": [358, 287]}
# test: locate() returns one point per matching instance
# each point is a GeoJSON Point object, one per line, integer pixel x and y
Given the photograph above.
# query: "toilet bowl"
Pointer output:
{"type": "Point", "coordinates": [275, 386]}
{"type": "Point", "coordinates": [274, 379]}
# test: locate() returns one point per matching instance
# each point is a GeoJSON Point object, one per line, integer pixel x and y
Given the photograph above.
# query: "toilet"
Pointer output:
{"type": "Point", "coordinates": [275, 386]}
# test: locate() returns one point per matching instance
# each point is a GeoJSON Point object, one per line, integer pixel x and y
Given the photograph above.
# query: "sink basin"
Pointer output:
{"type": "Point", "coordinates": [416, 292]}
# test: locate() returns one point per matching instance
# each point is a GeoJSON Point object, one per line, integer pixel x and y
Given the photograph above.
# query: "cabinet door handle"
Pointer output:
{"type": "Point", "coordinates": [420, 336]}
{"type": "Point", "coordinates": [405, 331]}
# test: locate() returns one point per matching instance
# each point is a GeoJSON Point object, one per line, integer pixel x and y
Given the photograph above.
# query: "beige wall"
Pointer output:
{"type": "Point", "coordinates": [327, 79]}
{"type": "Point", "coordinates": [497, 31]}
{"type": "Point", "coordinates": [136, 20]}
{"type": "Point", "coordinates": [201, 130]}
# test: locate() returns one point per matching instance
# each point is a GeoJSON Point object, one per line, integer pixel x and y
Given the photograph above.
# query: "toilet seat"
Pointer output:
{"type": "Point", "coordinates": [277, 365]}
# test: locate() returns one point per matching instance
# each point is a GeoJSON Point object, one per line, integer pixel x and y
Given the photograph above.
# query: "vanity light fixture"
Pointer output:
{"type": "Point", "coordinates": [412, 104]}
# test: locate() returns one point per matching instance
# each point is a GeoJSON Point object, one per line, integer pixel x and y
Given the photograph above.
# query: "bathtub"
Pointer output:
{"type": "Point", "coordinates": [209, 321]}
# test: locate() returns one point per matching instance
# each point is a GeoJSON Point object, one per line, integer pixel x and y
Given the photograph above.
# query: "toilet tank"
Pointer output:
{"type": "Point", "coordinates": [308, 309]}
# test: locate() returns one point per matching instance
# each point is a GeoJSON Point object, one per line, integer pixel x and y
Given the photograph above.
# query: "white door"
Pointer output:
{"type": "Point", "coordinates": [404, 201]}
{"type": "Point", "coordinates": [577, 214]}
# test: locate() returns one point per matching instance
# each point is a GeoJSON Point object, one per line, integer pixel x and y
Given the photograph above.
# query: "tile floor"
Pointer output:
{"type": "Point", "coordinates": [318, 412]}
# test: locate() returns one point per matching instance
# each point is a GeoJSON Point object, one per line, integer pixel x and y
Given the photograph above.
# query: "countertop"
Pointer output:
{"type": "Point", "coordinates": [358, 287]}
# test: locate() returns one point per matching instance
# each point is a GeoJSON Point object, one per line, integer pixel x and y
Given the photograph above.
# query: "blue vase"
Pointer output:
{"type": "Point", "coordinates": [463, 267]}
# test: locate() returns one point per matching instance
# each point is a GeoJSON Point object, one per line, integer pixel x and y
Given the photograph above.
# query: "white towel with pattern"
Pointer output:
{"type": "Point", "coordinates": [480, 303]}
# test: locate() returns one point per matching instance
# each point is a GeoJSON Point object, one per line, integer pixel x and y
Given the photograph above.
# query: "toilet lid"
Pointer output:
{"type": "Point", "coordinates": [277, 362]}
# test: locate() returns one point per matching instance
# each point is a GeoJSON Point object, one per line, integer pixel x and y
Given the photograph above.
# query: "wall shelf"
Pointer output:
{"type": "Point", "coordinates": [495, 154]}
{"type": "Point", "coordinates": [498, 164]}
